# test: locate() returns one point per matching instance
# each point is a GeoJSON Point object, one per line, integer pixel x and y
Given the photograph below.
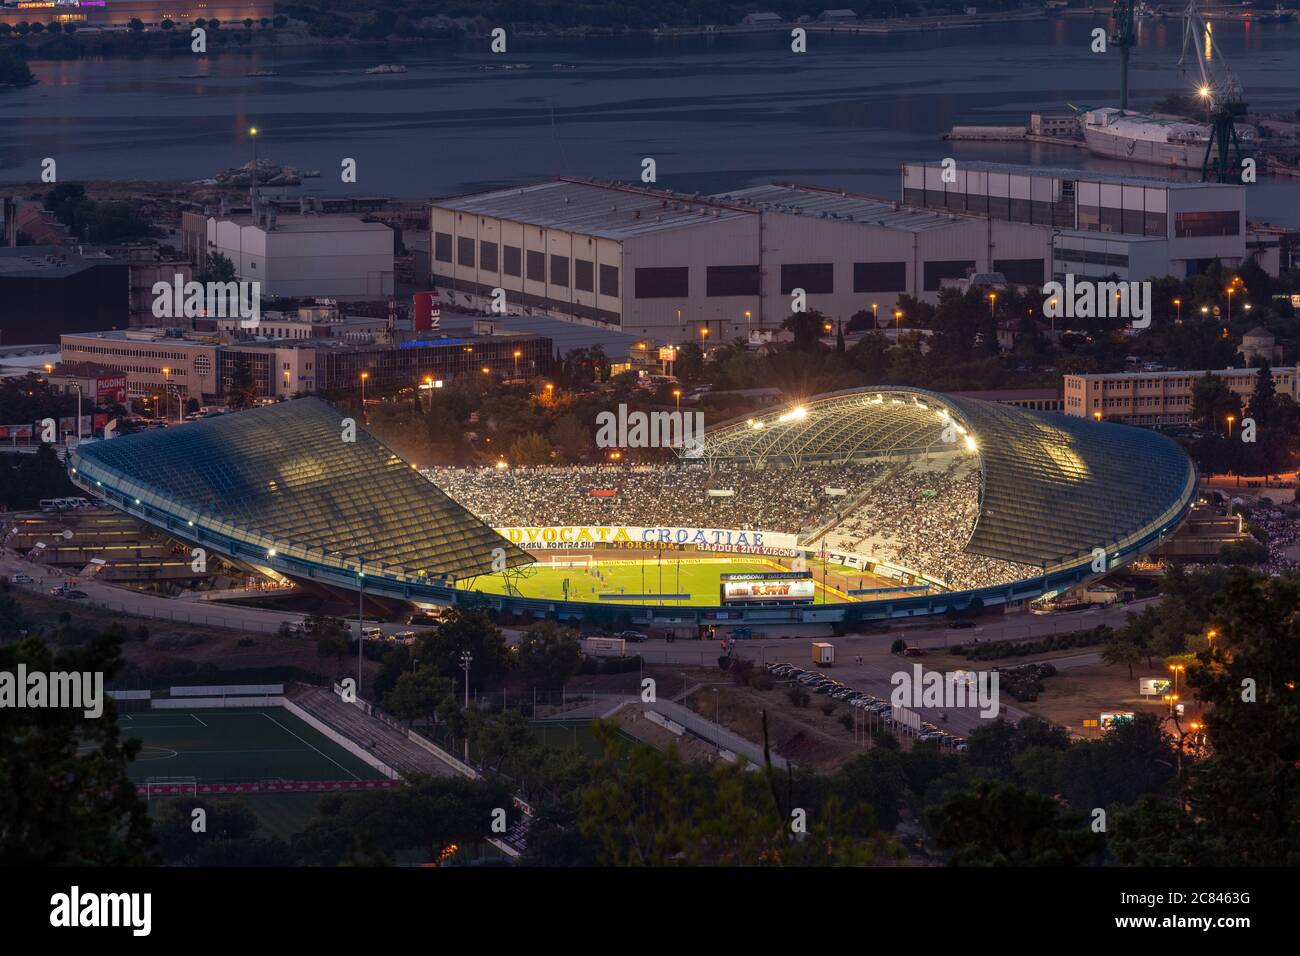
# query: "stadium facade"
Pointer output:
{"type": "Point", "coordinates": [1055, 501]}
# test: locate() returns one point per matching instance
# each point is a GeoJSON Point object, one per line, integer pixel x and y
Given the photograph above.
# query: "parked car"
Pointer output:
{"type": "Point", "coordinates": [634, 637]}
{"type": "Point", "coordinates": [24, 579]}
{"type": "Point", "coordinates": [960, 625]}
{"type": "Point", "coordinates": [916, 652]}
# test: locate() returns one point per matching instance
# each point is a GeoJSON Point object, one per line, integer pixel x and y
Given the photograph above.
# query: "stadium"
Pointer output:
{"type": "Point", "coordinates": [857, 505]}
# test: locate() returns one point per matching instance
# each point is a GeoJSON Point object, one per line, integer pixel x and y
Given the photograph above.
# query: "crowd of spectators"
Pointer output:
{"type": "Point", "coordinates": [920, 516]}
{"type": "Point", "coordinates": [1281, 534]}
{"type": "Point", "coordinates": [775, 498]}
{"type": "Point", "coordinates": [916, 515]}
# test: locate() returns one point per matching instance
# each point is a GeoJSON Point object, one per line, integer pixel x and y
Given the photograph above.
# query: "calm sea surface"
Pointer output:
{"type": "Point", "coordinates": [714, 113]}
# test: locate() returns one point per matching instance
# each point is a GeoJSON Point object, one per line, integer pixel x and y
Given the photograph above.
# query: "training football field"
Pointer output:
{"type": "Point", "coordinates": [235, 746]}
{"type": "Point", "coordinates": [622, 580]}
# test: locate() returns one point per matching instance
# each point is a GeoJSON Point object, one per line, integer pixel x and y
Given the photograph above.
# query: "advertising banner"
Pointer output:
{"type": "Point", "coordinates": [578, 537]}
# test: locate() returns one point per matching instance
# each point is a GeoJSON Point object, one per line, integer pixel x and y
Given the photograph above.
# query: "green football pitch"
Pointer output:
{"type": "Point", "coordinates": [618, 580]}
{"type": "Point", "coordinates": [235, 746]}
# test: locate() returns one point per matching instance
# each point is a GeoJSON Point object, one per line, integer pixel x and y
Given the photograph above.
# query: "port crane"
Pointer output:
{"type": "Point", "coordinates": [1221, 92]}
{"type": "Point", "coordinates": [1125, 38]}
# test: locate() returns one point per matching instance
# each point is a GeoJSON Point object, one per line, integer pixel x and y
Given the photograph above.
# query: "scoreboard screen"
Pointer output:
{"type": "Point", "coordinates": [768, 587]}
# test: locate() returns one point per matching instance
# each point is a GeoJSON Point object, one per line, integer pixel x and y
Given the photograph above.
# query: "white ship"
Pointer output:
{"type": "Point", "coordinates": [1144, 138]}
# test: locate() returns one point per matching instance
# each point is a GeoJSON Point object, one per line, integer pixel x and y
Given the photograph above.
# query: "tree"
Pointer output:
{"type": "Point", "coordinates": [1213, 401]}
{"type": "Point", "coordinates": [168, 24]}
{"type": "Point", "coordinates": [1121, 650]}
{"type": "Point", "coordinates": [135, 25]}
{"type": "Point", "coordinates": [417, 694]}
{"type": "Point", "coordinates": [65, 797]}
{"type": "Point", "coordinates": [241, 390]}
{"type": "Point", "coordinates": [808, 327]}
{"type": "Point", "coordinates": [997, 824]}
{"type": "Point", "coordinates": [216, 268]}
{"type": "Point", "coordinates": [331, 635]}
{"type": "Point", "coordinates": [1245, 792]}
{"type": "Point", "coordinates": [465, 630]}
{"type": "Point", "coordinates": [646, 807]}
{"type": "Point", "coordinates": [425, 817]}
{"type": "Point", "coordinates": [530, 449]}
{"type": "Point", "coordinates": [548, 654]}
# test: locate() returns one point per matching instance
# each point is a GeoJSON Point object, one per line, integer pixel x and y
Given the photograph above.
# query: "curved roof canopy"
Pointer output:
{"type": "Point", "coordinates": [284, 477]}
{"type": "Point", "coordinates": [1053, 487]}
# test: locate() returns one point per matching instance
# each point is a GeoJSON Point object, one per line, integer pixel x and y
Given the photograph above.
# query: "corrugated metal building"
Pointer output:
{"type": "Point", "coordinates": [674, 267]}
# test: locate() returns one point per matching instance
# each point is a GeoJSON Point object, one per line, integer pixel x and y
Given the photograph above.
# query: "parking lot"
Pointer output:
{"type": "Point", "coordinates": [876, 710]}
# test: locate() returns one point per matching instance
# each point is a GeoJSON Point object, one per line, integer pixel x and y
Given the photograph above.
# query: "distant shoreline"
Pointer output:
{"type": "Point", "coordinates": [235, 39]}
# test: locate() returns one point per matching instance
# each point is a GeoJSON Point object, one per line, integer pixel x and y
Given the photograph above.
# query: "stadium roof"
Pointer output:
{"type": "Point", "coordinates": [1053, 487]}
{"type": "Point", "coordinates": [283, 479]}
{"type": "Point", "coordinates": [611, 210]}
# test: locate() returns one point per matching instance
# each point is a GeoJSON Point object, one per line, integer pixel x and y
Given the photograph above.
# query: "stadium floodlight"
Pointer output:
{"type": "Point", "coordinates": [793, 414]}
{"type": "Point", "coordinates": [970, 442]}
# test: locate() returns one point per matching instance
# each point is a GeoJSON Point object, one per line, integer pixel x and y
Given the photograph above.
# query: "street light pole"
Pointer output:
{"type": "Point", "coordinates": [465, 658]}
{"type": "Point", "coordinates": [361, 620]}
{"type": "Point", "coordinates": [77, 386]}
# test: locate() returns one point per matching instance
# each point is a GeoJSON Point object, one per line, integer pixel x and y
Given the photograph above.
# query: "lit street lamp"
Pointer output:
{"type": "Point", "coordinates": [364, 415]}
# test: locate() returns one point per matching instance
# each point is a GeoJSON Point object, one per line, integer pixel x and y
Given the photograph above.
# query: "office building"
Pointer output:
{"type": "Point", "coordinates": [1158, 398]}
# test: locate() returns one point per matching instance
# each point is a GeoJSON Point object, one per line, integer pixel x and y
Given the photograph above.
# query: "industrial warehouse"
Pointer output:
{"type": "Point", "coordinates": [678, 267]}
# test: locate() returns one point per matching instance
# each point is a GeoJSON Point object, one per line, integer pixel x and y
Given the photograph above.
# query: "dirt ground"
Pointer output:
{"type": "Point", "coordinates": [803, 735]}
{"type": "Point", "coordinates": [1087, 692]}
{"type": "Point", "coordinates": [215, 645]}
{"type": "Point", "coordinates": [688, 745]}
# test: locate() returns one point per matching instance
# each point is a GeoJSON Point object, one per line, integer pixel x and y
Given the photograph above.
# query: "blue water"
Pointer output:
{"type": "Point", "coordinates": [714, 113]}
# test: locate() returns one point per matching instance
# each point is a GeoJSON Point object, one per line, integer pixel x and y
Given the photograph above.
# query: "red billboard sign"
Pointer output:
{"type": "Point", "coordinates": [110, 389]}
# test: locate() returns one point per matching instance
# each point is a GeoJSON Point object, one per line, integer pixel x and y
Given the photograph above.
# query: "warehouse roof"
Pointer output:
{"type": "Point", "coordinates": [835, 204]}
{"type": "Point", "coordinates": [47, 262]}
{"type": "Point", "coordinates": [1074, 175]}
{"type": "Point", "coordinates": [609, 210]}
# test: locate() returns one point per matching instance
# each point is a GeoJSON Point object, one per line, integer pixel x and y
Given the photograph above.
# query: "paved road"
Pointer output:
{"type": "Point", "coordinates": [127, 601]}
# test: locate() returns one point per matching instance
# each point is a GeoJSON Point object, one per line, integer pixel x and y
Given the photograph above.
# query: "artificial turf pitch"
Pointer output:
{"type": "Point", "coordinates": [244, 745]}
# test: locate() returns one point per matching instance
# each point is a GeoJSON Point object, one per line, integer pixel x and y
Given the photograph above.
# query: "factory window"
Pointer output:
{"type": "Point", "coordinates": [1207, 224]}
{"type": "Point", "coordinates": [1020, 271]}
{"type": "Point", "coordinates": [609, 281]}
{"type": "Point", "coordinates": [584, 275]}
{"type": "Point", "coordinates": [442, 246]}
{"type": "Point", "coordinates": [879, 276]}
{"type": "Point", "coordinates": [511, 261]}
{"type": "Point", "coordinates": [465, 252]}
{"type": "Point", "coordinates": [1112, 220]}
{"type": "Point", "coordinates": [536, 266]}
{"type": "Point", "coordinates": [487, 255]}
{"type": "Point", "coordinates": [935, 272]}
{"type": "Point", "coordinates": [732, 280]}
{"type": "Point", "coordinates": [663, 283]}
{"type": "Point", "coordinates": [202, 365]}
{"type": "Point", "coordinates": [812, 277]}
{"type": "Point", "coordinates": [559, 270]}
